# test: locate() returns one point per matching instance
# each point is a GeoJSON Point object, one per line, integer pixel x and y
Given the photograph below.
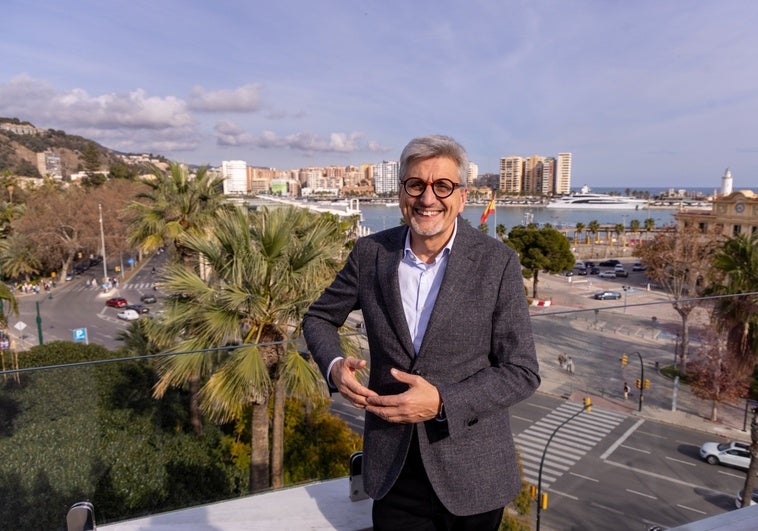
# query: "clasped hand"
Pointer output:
{"type": "Point", "coordinates": [420, 402]}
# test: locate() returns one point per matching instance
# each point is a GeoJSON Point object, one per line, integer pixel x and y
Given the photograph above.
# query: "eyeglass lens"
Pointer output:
{"type": "Point", "coordinates": [442, 188]}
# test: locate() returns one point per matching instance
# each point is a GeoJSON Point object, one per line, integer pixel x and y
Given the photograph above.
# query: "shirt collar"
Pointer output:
{"type": "Point", "coordinates": [445, 250]}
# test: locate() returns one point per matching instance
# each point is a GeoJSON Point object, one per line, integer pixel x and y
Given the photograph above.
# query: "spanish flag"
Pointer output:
{"type": "Point", "coordinates": [487, 211]}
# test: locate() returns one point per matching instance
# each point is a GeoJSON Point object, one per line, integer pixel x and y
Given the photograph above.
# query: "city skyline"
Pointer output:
{"type": "Point", "coordinates": [648, 93]}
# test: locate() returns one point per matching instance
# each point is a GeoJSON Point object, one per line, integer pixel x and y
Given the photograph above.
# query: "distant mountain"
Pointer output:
{"type": "Point", "coordinates": [21, 141]}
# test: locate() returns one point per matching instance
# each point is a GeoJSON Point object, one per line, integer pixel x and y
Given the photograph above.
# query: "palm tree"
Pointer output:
{"type": "Point", "coordinates": [649, 225]}
{"type": "Point", "coordinates": [619, 230]}
{"type": "Point", "coordinates": [18, 257]}
{"type": "Point", "coordinates": [501, 231]}
{"type": "Point", "coordinates": [634, 226]}
{"type": "Point", "coordinates": [578, 231]}
{"type": "Point", "coordinates": [264, 273]}
{"type": "Point", "coordinates": [593, 227]}
{"type": "Point", "coordinates": [738, 317]}
{"type": "Point", "coordinates": [174, 206]}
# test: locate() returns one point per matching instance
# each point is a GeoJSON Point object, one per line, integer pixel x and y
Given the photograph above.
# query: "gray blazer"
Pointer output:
{"type": "Point", "coordinates": [478, 350]}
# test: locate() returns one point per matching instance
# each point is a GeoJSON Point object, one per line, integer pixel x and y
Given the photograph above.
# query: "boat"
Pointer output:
{"type": "Point", "coordinates": [591, 201]}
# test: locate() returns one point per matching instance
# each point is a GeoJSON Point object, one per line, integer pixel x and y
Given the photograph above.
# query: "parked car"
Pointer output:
{"type": "Point", "coordinates": [607, 274]}
{"type": "Point", "coordinates": [609, 263]}
{"type": "Point", "coordinates": [148, 299]}
{"type": "Point", "coordinates": [589, 263]}
{"type": "Point", "coordinates": [569, 273]}
{"type": "Point", "coordinates": [607, 295]}
{"type": "Point", "coordinates": [128, 315]}
{"type": "Point", "coordinates": [621, 272]}
{"type": "Point", "coordinates": [738, 498]}
{"type": "Point", "coordinates": [582, 272]}
{"type": "Point", "coordinates": [594, 270]}
{"type": "Point", "coordinates": [732, 453]}
{"type": "Point", "coordinates": [639, 267]}
{"type": "Point", "coordinates": [139, 308]}
{"type": "Point", "coordinates": [116, 302]}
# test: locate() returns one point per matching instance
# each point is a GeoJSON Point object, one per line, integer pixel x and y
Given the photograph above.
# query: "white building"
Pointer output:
{"type": "Point", "coordinates": [234, 173]}
{"type": "Point", "coordinates": [473, 173]}
{"type": "Point", "coordinates": [386, 177]}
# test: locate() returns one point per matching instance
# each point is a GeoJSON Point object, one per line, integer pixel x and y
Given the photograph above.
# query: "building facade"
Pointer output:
{"type": "Point", "coordinates": [563, 174]}
{"type": "Point", "coordinates": [234, 173]}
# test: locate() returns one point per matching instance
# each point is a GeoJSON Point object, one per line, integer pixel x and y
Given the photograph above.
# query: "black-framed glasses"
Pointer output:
{"type": "Point", "coordinates": [441, 188]}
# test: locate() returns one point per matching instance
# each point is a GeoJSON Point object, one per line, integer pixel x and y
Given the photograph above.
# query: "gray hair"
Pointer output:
{"type": "Point", "coordinates": [427, 147]}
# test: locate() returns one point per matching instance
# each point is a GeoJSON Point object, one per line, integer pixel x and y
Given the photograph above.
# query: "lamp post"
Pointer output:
{"type": "Point", "coordinates": [586, 407]}
{"type": "Point", "coordinates": [102, 240]}
{"type": "Point", "coordinates": [642, 379]}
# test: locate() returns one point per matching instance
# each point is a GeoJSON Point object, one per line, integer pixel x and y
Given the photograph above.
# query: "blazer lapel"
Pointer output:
{"type": "Point", "coordinates": [387, 266]}
{"type": "Point", "coordinates": [463, 257]}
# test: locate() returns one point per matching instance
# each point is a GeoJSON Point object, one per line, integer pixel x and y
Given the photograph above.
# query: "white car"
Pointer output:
{"type": "Point", "coordinates": [736, 454]}
{"type": "Point", "coordinates": [607, 274]}
{"type": "Point", "coordinates": [128, 315]}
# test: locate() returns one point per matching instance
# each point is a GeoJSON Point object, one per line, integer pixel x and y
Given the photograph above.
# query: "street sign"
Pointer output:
{"type": "Point", "coordinates": [20, 326]}
{"type": "Point", "coordinates": [80, 335]}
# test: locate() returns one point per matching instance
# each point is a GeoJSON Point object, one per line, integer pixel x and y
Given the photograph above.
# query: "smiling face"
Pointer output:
{"type": "Point", "coordinates": [430, 218]}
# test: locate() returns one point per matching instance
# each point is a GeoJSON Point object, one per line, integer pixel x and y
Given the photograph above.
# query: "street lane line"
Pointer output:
{"type": "Point", "coordinates": [691, 509]}
{"type": "Point", "coordinates": [642, 494]}
{"type": "Point", "coordinates": [690, 463]}
{"type": "Point", "coordinates": [584, 477]}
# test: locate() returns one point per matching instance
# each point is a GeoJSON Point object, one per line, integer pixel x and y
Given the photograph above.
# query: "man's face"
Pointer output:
{"type": "Point", "coordinates": [427, 215]}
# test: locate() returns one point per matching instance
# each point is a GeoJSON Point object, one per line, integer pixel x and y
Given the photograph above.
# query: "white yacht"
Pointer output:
{"type": "Point", "coordinates": [591, 201]}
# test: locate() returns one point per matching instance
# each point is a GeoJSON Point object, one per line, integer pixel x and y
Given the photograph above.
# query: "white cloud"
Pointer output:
{"type": "Point", "coordinates": [229, 134]}
{"type": "Point", "coordinates": [313, 143]}
{"type": "Point", "coordinates": [242, 99]}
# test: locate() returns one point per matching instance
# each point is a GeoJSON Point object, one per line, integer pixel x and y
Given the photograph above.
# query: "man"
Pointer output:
{"type": "Point", "coordinates": [451, 346]}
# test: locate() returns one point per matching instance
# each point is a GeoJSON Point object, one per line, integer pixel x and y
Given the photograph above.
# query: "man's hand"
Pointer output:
{"type": "Point", "coordinates": [344, 379]}
{"type": "Point", "coordinates": [419, 403]}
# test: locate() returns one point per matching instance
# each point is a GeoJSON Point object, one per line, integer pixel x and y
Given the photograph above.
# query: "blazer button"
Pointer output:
{"type": "Point", "coordinates": [416, 372]}
{"type": "Point", "coordinates": [471, 422]}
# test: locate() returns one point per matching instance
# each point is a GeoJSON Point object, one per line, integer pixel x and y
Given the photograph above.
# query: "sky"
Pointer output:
{"type": "Point", "coordinates": [643, 93]}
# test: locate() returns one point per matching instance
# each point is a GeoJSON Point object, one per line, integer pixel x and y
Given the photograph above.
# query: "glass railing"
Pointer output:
{"type": "Point", "coordinates": [74, 428]}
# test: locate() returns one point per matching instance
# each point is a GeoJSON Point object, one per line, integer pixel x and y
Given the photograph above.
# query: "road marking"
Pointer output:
{"type": "Point", "coordinates": [522, 418]}
{"type": "Point", "coordinates": [609, 509]}
{"type": "Point", "coordinates": [691, 509]}
{"type": "Point", "coordinates": [642, 494]}
{"type": "Point", "coordinates": [640, 450]}
{"type": "Point", "coordinates": [731, 474]}
{"type": "Point", "coordinates": [690, 463]}
{"type": "Point", "coordinates": [621, 439]}
{"type": "Point", "coordinates": [584, 477]}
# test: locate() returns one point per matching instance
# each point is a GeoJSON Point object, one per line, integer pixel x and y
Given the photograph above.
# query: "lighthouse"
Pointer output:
{"type": "Point", "coordinates": [726, 183]}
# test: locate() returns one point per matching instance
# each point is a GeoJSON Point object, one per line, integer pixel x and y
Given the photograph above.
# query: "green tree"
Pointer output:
{"type": "Point", "coordinates": [18, 257]}
{"type": "Point", "coordinates": [262, 275]}
{"type": "Point", "coordinates": [501, 231]}
{"type": "Point", "coordinates": [618, 229]}
{"type": "Point", "coordinates": [649, 224]}
{"type": "Point", "coordinates": [543, 249]}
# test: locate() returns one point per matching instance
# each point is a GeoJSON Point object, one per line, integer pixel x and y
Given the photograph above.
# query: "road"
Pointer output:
{"type": "Point", "coordinates": [74, 304]}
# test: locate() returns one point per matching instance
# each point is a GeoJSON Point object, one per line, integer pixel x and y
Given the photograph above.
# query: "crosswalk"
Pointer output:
{"type": "Point", "coordinates": [129, 286]}
{"type": "Point", "coordinates": [569, 444]}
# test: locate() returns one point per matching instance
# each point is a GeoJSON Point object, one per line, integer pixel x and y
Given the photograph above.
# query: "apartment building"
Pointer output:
{"type": "Point", "coordinates": [511, 174]}
{"type": "Point", "coordinates": [563, 174]}
{"type": "Point", "coordinates": [234, 173]}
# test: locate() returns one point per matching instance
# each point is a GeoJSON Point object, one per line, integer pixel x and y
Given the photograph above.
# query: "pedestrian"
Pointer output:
{"type": "Point", "coordinates": [570, 365]}
{"type": "Point", "coordinates": [451, 350]}
{"type": "Point", "coordinates": [562, 360]}
{"type": "Point", "coordinates": [626, 391]}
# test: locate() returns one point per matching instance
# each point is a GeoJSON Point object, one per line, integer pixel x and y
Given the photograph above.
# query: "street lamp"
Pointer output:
{"type": "Point", "coordinates": [102, 240]}
{"type": "Point", "coordinates": [586, 407]}
{"type": "Point", "coordinates": [641, 385]}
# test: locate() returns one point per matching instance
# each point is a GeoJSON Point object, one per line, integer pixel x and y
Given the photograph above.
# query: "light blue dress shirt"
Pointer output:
{"type": "Point", "coordinates": [420, 285]}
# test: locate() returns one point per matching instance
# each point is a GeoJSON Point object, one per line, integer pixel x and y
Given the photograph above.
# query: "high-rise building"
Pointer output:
{"type": "Point", "coordinates": [386, 177]}
{"type": "Point", "coordinates": [49, 163]}
{"type": "Point", "coordinates": [563, 174]}
{"type": "Point", "coordinates": [473, 173]}
{"type": "Point", "coordinates": [532, 181]}
{"type": "Point", "coordinates": [511, 174]}
{"type": "Point", "coordinates": [547, 180]}
{"type": "Point", "coordinates": [234, 173]}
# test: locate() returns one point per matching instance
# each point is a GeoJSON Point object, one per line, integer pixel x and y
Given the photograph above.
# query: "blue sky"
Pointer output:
{"type": "Point", "coordinates": [643, 93]}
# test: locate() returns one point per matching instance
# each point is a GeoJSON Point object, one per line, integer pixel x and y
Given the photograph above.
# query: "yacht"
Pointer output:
{"type": "Point", "coordinates": [591, 201]}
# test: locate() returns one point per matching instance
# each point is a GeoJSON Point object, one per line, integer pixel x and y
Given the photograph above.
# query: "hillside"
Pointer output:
{"type": "Point", "coordinates": [18, 152]}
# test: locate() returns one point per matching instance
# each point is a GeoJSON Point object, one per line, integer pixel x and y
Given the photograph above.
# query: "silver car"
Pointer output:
{"type": "Point", "coordinates": [736, 454]}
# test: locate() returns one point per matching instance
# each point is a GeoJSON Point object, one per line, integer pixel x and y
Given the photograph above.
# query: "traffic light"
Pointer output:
{"type": "Point", "coordinates": [587, 403]}
{"type": "Point", "coordinates": [624, 360]}
{"type": "Point", "coordinates": [639, 384]}
{"type": "Point", "coordinates": [647, 383]}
